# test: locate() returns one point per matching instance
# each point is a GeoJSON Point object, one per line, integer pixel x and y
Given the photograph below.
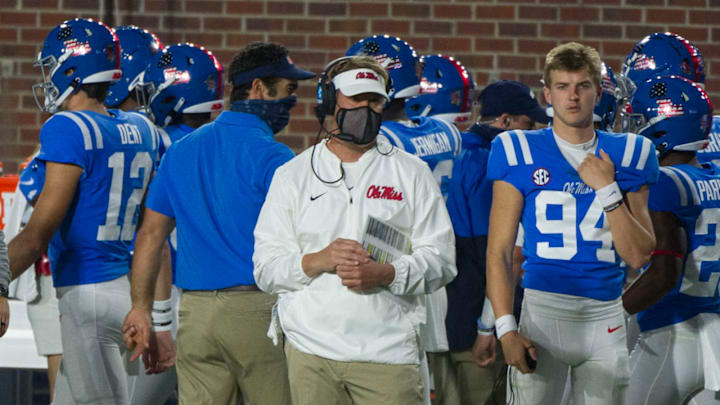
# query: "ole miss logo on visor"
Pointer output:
{"type": "Point", "coordinates": [366, 75]}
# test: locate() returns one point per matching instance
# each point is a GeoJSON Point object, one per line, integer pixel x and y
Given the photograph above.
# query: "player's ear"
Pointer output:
{"type": "Point", "coordinates": [256, 89]}
{"type": "Point", "coordinates": [546, 93]}
{"type": "Point", "coordinates": [504, 120]}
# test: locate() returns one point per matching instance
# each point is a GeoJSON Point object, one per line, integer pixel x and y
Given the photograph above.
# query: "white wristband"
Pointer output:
{"type": "Point", "coordinates": [485, 330]}
{"type": "Point", "coordinates": [488, 316]}
{"type": "Point", "coordinates": [162, 315]}
{"type": "Point", "coordinates": [609, 195]}
{"type": "Point", "coordinates": [505, 324]}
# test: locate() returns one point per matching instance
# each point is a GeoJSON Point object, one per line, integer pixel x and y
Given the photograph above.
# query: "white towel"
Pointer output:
{"type": "Point", "coordinates": [24, 287]}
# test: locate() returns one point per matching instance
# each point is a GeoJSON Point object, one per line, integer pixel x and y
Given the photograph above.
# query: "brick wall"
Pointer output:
{"type": "Point", "coordinates": [494, 39]}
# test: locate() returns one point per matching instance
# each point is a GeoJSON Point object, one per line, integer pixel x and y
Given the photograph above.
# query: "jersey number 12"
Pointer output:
{"type": "Point", "coordinates": [112, 230]}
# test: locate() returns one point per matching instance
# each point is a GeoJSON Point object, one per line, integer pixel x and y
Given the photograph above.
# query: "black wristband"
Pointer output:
{"type": "Point", "coordinates": [613, 206]}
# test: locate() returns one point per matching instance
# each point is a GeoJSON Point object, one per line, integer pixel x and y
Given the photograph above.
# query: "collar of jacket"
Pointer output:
{"type": "Point", "coordinates": [327, 164]}
{"type": "Point", "coordinates": [245, 121]}
{"type": "Point", "coordinates": [486, 132]}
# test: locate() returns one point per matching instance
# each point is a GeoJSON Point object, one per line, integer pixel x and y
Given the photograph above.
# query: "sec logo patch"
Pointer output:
{"type": "Point", "coordinates": [541, 177]}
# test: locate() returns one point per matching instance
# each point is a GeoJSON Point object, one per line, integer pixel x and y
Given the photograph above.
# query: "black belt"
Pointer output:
{"type": "Point", "coordinates": [237, 288]}
{"type": "Point", "coordinates": [248, 287]}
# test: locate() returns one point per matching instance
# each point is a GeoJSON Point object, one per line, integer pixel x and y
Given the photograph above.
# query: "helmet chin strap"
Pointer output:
{"type": "Point", "coordinates": [174, 113]}
{"type": "Point", "coordinates": [651, 122]}
{"type": "Point", "coordinates": [52, 106]}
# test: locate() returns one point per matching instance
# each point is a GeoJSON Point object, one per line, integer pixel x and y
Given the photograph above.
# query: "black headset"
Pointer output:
{"type": "Point", "coordinates": [326, 96]}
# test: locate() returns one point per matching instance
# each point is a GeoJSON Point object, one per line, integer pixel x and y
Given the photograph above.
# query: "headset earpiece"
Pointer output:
{"type": "Point", "coordinates": [326, 96]}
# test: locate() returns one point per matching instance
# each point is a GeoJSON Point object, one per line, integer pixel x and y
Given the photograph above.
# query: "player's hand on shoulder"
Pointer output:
{"type": "Point", "coordinates": [136, 332]}
{"type": "Point", "coordinates": [4, 315]}
{"type": "Point", "coordinates": [483, 350]}
{"type": "Point", "coordinates": [515, 348]}
{"type": "Point", "coordinates": [597, 172]}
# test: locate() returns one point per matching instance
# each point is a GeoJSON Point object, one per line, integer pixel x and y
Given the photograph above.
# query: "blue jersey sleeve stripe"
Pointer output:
{"type": "Point", "coordinates": [83, 128]}
{"type": "Point", "coordinates": [96, 129]}
{"type": "Point", "coordinates": [392, 137]}
{"type": "Point", "coordinates": [630, 141]}
{"type": "Point", "coordinates": [154, 132]}
{"type": "Point", "coordinates": [509, 148]}
{"type": "Point", "coordinates": [458, 139]}
{"type": "Point", "coordinates": [524, 147]}
{"type": "Point", "coordinates": [678, 184]}
{"type": "Point", "coordinates": [644, 153]}
{"type": "Point", "coordinates": [165, 138]}
{"type": "Point", "coordinates": [690, 183]}
{"type": "Point", "coordinates": [456, 136]}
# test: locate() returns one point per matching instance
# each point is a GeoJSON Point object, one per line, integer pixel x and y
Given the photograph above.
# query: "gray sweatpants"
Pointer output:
{"type": "Point", "coordinates": [93, 369]}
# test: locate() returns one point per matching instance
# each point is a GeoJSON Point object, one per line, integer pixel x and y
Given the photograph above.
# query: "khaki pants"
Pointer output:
{"type": "Point", "coordinates": [318, 381]}
{"type": "Point", "coordinates": [223, 350]}
{"type": "Point", "coordinates": [459, 381]}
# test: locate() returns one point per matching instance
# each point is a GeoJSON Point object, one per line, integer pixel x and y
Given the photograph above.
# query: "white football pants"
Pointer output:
{"type": "Point", "coordinates": [577, 338]}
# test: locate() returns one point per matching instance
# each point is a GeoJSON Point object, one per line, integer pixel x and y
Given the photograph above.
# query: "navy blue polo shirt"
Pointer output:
{"type": "Point", "coordinates": [213, 182]}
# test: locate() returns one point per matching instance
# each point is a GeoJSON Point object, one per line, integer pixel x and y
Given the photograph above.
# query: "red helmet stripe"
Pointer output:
{"type": "Point", "coordinates": [465, 76]}
{"type": "Point", "coordinates": [692, 50]}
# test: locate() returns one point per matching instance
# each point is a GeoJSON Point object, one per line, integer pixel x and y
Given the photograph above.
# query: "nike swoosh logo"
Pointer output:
{"type": "Point", "coordinates": [28, 182]}
{"type": "Point", "coordinates": [313, 198]}
{"type": "Point", "coordinates": [611, 330]}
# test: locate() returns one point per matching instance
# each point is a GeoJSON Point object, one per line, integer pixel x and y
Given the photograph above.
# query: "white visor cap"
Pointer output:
{"type": "Point", "coordinates": [358, 81]}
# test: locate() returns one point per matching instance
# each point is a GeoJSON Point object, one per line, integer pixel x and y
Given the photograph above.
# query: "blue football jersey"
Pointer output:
{"type": "Point", "coordinates": [434, 141]}
{"type": "Point", "coordinates": [712, 152]}
{"type": "Point", "coordinates": [117, 153]}
{"type": "Point", "coordinates": [692, 194]}
{"type": "Point", "coordinates": [568, 245]}
{"type": "Point", "coordinates": [32, 179]}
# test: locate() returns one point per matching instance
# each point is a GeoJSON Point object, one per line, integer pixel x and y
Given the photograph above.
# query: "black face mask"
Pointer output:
{"type": "Point", "coordinates": [358, 125]}
{"type": "Point", "coordinates": [275, 113]}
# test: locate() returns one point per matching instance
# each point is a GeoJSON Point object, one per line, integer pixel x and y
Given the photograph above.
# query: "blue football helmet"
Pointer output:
{"type": "Point", "coordinates": [661, 54]}
{"type": "Point", "coordinates": [182, 79]}
{"type": "Point", "coordinates": [672, 111]}
{"type": "Point", "coordinates": [76, 52]}
{"type": "Point", "coordinates": [446, 90]}
{"type": "Point", "coordinates": [138, 45]}
{"type": "Point", "coordinates": [606, 109]}
{"type": "Point", "coordinates": [397, 57]}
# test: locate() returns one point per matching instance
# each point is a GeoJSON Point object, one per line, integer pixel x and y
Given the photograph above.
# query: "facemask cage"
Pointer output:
{"type": "Point", "coordinates": [46, 93]}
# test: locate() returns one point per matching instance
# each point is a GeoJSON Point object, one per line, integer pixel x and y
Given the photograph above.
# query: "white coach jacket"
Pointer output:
{"type": "Point", "coordinates": [303, 215]}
